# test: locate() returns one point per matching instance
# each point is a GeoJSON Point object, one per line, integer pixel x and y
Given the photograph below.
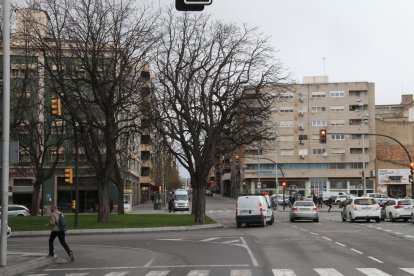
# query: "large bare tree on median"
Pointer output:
{"type": "Point", "coordinates": [211, 90]}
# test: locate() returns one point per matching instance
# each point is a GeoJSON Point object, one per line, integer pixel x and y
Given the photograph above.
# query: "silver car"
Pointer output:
{"type": "Point", "coordinates": [303, 209]}
{"type": "Point", "coordinates": [17, 210]}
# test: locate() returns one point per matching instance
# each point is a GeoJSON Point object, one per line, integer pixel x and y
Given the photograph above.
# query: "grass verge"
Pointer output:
{"type": "Point", "coordinates": [115, 221]}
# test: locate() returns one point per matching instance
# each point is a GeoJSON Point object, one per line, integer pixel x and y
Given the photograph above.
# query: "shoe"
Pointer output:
{"type": "Point", "coordinates": [72, 258]}
{"type": "Point", "coordinates": [51, 256]}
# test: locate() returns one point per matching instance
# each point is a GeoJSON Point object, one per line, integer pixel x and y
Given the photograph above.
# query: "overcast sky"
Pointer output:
{"type": "Point", "coordinates": [361, 40]}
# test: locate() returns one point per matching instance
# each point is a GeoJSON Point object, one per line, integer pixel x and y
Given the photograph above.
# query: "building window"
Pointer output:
{"type": "Point", "coordinates": [318, 185]}
{"type": "Point", "coordinates": [338, 184]}
{"type": "Point", "coordinates": [318, 109]}
{"type": "Point", "coordinates": [338, 136]}
{"type": "Point", "coordinates": [319, 123]}
{"type": "Point", "coordinates": [318, 94]}
{"type": "Point", "coordinates": [286, 124]}
{"type": "Point", "coordinates": [286, 95]}
{"type": "Point", "coordinates": [318, 151]}
{"type": "Point", "coordinates": [338, 122]}
{"type": "Point", "coordinates": [358, 93]}
{"type": "Point", "coordinates": [286, 109]}
{"type": "Point", "coordinates": [337, 93]}
{"type": "Point", "coordinates": [337, 166]}
{"type": "Point", "coordinates": [55, 153]}
{"type": "Point", "coordinates": [303, 137]}
{"type": "Point", "coordinates": [337, 108]}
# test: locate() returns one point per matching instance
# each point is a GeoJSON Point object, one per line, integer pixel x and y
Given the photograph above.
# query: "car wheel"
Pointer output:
{"type": "Point", "coordinates": [292, 219]}
{"type": "Point", "coordinates": [412, 218]}
{"type": "Point", "coordinates": [367, 220]}
{"type": "Point", "coordinates": [20, 215]}
{"type": "Point", "coordinates": [391, 217]}
{"type": "Point", "coordinates": [238, 225]}
{"type": "Point", "coordinates": [343, 218]}
{"type": "Point", "coordinates": [272, 220]}
{"type": "Point", "coordinates": [377, 220]}
{"type": "Point", "coordinates": [264, 222]}
{"type": "Point", "coordinates": [406, 219]}
{"type": "Point", "coordinates": [316, 220]}
{"type": "Point", "coordinates": [382, 218]}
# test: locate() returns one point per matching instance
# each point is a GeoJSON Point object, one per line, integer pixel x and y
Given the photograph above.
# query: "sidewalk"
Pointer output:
{"type": "Point", "coordinates": [19, 262]}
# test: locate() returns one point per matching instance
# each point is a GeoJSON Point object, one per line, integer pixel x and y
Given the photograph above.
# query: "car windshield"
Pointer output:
{"type": "Point", "coordinates": [181, 197]}
{"type": "Point", "coordinates": [365, 201]}
{"type": "Point", "coordinates": [304, 203]}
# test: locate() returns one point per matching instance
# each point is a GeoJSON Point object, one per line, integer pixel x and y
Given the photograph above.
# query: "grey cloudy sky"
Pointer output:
{"type": "Point", "coordinates": [361, 40]}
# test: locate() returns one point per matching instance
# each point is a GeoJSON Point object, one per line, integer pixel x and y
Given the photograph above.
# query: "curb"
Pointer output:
{"type": "Point", "coordinates": [120, 230]}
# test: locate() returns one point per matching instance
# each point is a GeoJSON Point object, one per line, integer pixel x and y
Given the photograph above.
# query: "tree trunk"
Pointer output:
{"type": "Point", "coordinates": [36, 198]}
{"type": "Point", "coordinates": [200, 212]}
{"type": "Point", "coordinates": [121, 201]}
{"type": "Point", "coordinates": [103, 207]}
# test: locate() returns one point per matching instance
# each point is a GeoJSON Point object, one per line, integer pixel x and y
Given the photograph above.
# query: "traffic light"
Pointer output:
{"type": "Point", "coordinates": [322, 136]}
{"type": "Point", "coordinates": [69, 175]}
{"type": "Point", "coordinates": [410, 177]}
{"type": "Point", "coordinates": [182, 5]}
{"type": "Point", "coordinates": [56, 110]}
{"type": "Point", "coordinates": [73, 204]}
{"type": "Point", "coordinates": [284, 184]}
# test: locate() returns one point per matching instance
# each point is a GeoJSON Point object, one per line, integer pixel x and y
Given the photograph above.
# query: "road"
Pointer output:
{"type": "Point", "coordinates": [328, 248]}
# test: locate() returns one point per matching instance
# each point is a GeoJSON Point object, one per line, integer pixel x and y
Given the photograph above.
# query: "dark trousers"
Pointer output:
{"type": "Point", "coordinates": [61, 237]}
{"type": "Point", "coordinates": [330, 207]}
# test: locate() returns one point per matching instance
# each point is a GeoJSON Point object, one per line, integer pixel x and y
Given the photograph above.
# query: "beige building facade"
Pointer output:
{"type": "Point", "coordinates": [345, 110]}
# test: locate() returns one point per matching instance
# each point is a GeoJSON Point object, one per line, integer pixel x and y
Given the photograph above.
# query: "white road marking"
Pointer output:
{"type": "Point", "coordinates": [388, 230]}
{"type": "Point", "coordinates": [169, 239]}
{"type": "Point", "coordinates": [316, 234]}
{"type": "Point", "coordinates": [328, 272]}
{"type": "Point", "coordinates": [198, 273]}
{"type": "Point", "coordinates": [398, 233]}
{"type": "Point", "coordinates": [37, 275]}
{"type": "Point", "coordinates": [120, 273]}
{"type": "Point", "coordinates": [341, 244]}
{"type": "Point", "coordinates": [375, 259]}
{"type": "Point", "coordinates": [357, 251]}
{"type": "Point", "coordinates": [241, 272]}
{"type": "Point", "coordinates": [283, 272]}
{"type": "Point", "coordinates": [326, 238]}
{"type": "Point", "coordinates": [76, 274]}
{"type": "Point", "coordinates": [210, 239]}
{"type": "Point", "coordinates": [373, 272]}
{"type": "Point", "coordinates": [303, 229]}
{"type": "Point", "coordinates": [408, 270]}
{"type": "Point", "coordinates": [379, 228]}
{"type": "Point", "coordinates": [232, 241]}
{"type": "Point", "coordinates": [408, 236]}
{"type": "Point", "coordinates": [254, 261]}
{"type": "Point", "coordinates": [158, 273]}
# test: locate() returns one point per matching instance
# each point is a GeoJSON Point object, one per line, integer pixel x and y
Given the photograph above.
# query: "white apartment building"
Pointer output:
{"type": "Point", "coordinates": [345, 110]}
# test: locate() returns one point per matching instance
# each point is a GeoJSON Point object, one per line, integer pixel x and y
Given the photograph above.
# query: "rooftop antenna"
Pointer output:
{"type": "Point", "coordinates": [324, 59]}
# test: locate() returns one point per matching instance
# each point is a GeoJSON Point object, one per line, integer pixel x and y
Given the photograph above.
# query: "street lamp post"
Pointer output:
{"type": "Point", "coordinates": [364, 183]}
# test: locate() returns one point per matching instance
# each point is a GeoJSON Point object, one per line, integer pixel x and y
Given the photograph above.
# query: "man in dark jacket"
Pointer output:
{"type": "Point", "coordinates": [330, 201]}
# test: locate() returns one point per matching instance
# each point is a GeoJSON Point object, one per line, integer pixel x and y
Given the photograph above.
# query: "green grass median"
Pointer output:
{"type": "Point", "coordinates": [115, 221]}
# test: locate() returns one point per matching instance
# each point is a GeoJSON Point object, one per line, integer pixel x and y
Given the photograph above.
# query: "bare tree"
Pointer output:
{"type": "Point", "coordinates": [211, 90]}
{"type": "Point", "coordinates": [94, 53]}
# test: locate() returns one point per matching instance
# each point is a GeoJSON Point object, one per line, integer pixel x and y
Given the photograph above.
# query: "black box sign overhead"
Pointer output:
{"type": "Point", "coordinates": [191, 5]}
{"type": "Point", "coordinates": [195, 2]}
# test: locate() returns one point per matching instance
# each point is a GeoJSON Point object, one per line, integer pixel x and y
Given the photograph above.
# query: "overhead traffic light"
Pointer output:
{"type": "Point", "coordinates": [56, 110]}
{"type": "Point", "coordinates": [410, 177]}
{"type": "Point", "coordinates": [69, 175]}
{"type": "Point", "coordinates": [284, 184]}
{"type": "Point", "coordinates": [322, 136]}
{"type": "Point", "coordinates": [191, 5]}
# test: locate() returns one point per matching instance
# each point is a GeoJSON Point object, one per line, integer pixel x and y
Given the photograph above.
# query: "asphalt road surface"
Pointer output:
{"type": "Point", "coordinates": [328, 248]}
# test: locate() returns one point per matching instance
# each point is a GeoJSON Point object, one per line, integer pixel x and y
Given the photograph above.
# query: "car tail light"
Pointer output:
{"type": "Point", "coordinates": [315, 209]}
{"type": "Point", "coordinates": [261, 209]}
{"type": "Point", "coordinates": [294, 208]}
{"type": "Point", "coordinates": [398, 206]}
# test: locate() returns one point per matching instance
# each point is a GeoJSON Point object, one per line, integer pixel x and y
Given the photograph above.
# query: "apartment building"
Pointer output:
{"type": "Point", "coordinates": [392, 161]}
{"type": "Point", "coordinates": [345, 163]}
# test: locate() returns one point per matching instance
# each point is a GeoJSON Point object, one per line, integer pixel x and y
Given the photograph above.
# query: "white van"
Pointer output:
{"type": "Point", "coordinates": [254, 209]}
{"type": "Point", "coordinates": [181, 200]}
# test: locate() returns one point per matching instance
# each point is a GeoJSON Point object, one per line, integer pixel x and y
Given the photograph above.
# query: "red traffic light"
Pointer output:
{"type": "Point", "coordinates": [322, 136]}
{"type": "Point", "coordinates": [412, 165]}
{"type": "Point", "coordinates": [284, 184]}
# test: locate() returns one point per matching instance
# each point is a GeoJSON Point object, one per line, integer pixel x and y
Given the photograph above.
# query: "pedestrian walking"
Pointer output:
{"type": "Point", "coordinates": [320, 201]}
{"type": "Point", "coordinates": [330, 201]}
{"type": "Point", "coordinates": [170, 205]}
{"type": "Point", "coordinates": [57, 231]}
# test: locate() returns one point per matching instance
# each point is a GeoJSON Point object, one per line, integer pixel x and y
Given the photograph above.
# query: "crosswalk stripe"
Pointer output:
{"type": "Point", "coordinates": [209, 239]}
{"type": "Point", "coordinates": [373, 272]}
{"type": "Point", "coordinates": [283, 272]}
{"type": "Point", "coordinates": [120, 273]}
{"type": "Point", "coordinates": [198, 273]}
{"type": "Point", "coordinates": [240, 272]}
{"type": "Point", "coordinates": [328, 272]}
{"type": "Point", "coordinates": [37, 275]}
{"type": "Point", "coordinates": [158, 273]}
{"type": "Point", "coordinates": [77, 274]}
{"type": "Point", "coordinates": [408, 270]}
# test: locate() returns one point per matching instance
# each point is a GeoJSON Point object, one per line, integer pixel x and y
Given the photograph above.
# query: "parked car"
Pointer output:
{"type": "Point", "coordinates": [378, 197]}
{"type": "Point", "coordinates": [254, 209]}
{"type": "Point", "coordinates": [17, 210]}
{"type": "Point", "coordinates": [361, 208]}
{"type": "Point", "coordinates": [340, 198]}
{"type": "Point", "coordinates": [342, 204]}
{"type": "Point", "coordinates": [280, 199]}
{"type": "Point", "coordinates": [394, 209]}
{"type": "Point", "coordinates": [304, 209]}
{"type": "Point", "coordinates": [8, 230]}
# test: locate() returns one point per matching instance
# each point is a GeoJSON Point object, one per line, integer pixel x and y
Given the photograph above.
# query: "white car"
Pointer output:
{"type": "Point", "coordinates": [254, 209]}
{"type": "Point", "coordinates": [341, 198]}
{"type": "Point", "coordinates": [398, 209]}
{"type": "Point", "coordinates": [17, 210]}
{"type": "Point", "coordinates": [362, 208]}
